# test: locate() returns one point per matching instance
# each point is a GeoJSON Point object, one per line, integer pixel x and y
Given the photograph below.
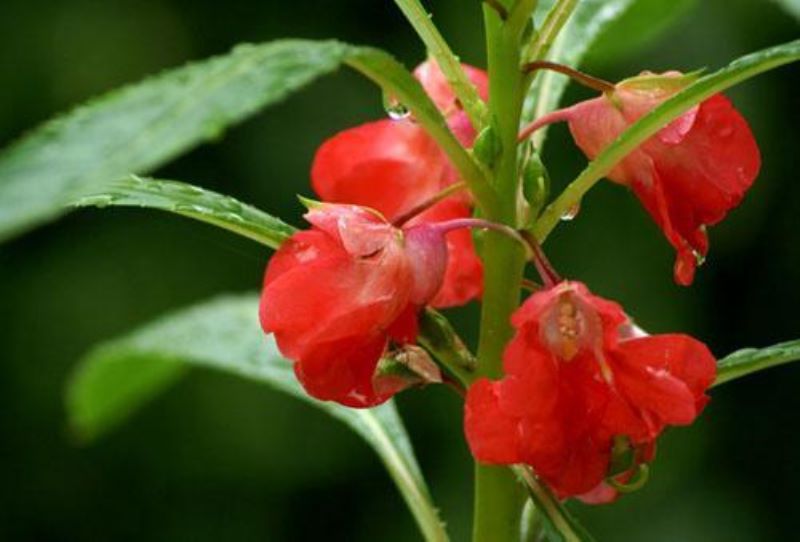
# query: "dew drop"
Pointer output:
{"type": "Point", "coordinates": [233, 217]}
{"type": "Point", "coordinates": [98, 200]}
{"type": "Point", "coordinates": [193, 209]}
{"type": "Point", "coordinates": [698, 258]}
{"type": "Point", "coordinates": [571, 213]}
{"type": "Point", "coordinates": [395, 109]}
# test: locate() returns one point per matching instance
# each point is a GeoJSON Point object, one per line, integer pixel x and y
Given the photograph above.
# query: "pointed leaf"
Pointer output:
{"type": "Point", "coordinates": [750, 360]}
{"type": "Point", "coordinates": [117, 378]}
{"type": "Point", "coordinates": [193, 202]}
{"type": "Point", "coordinates": [142, 126]}
{"type": "Point", "coordinates": [137, 128]}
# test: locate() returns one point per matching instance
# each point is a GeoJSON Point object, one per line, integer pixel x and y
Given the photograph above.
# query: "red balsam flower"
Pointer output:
{"type": "Point", "coordinates": [690, 174]}
{"type": "Point", "coordinates": [337, 295]}
{"type": "Point", "coordinates": [394, 166]}
{"type": "Point", "coordinates": [578, 375]}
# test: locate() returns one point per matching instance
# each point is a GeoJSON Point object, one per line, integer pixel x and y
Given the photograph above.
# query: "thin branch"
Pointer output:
{"type": "Point", "coordinates": [584, 79]}
{"type": "Point", "coordinates": [501, 10]}
{"type": "Point", "coordinates": [430, 202]}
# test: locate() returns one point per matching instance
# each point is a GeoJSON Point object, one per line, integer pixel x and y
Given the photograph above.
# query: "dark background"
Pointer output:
{"type": "Point", "coordinates": [218, 458]}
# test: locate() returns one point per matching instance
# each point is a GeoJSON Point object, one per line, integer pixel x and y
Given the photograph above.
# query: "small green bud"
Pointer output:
{"type": "Point", "coordinates": [487, 147]}
{"type": "Point", "coordinates": [535, 185]}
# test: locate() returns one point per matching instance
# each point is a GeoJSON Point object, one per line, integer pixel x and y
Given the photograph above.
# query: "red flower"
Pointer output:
{"type": "Point", "coordinates": [576, 378]}
{"type": "Point", "coordinates": [690, 174]}
{"type": "Point", "coordinates": [336, 295]}
{"type": "Point", "coordinates": [393, 166]}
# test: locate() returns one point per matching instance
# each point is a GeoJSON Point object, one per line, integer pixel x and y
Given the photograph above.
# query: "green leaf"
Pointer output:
{"type": "Point", "coordinates": [117, 378]}
{"type": "Point", "coordinates": [638, 26]}
{"type": "Point", "coordinates": [792, 6]}
{"type": "Point", "coordinates": [193, 202]}
{"type": "Point", "coordinates": [590, 22]}
{"type": "Point", "coordinates": [703, 88]}
{"type": "Point", "coordinates": [140, 127]}
{"type": "Point", "coordinates": [750, 360]}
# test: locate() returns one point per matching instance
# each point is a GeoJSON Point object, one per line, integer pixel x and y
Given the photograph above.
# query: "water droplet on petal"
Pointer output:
{"type": "Point", "coordinates": [699, 258]}
{"type": "Point", "coordinates": [571, 213]}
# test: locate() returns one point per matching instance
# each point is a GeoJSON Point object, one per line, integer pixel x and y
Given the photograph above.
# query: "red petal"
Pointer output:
{"type": "Point", "coordinates": [491, 434]}
{"type": "Point", "coordinates": [688, 176]}
{"type": "Point", "coordinates": [316, 292]}
{"type": "Point", "coordinates": [531, 383]}
{"type": "Point", "coordinates": [666, 376]}
{"type": "Point", "coordinates": [342, 371]}
{"type": "Point", "coordinates": [391, 166]}
{"type": "Point", "coordinates": [586, 467]}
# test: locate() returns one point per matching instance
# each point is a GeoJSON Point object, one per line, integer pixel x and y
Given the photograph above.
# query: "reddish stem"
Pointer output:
{"type": "Point", "coordinates": [550, 276]}
{"type": "Point", "coordinates": [584, 79]}
{"type": "Point", "coordinates": [428, 203]}
{"type": "Point", "coordinates": [556, 116]}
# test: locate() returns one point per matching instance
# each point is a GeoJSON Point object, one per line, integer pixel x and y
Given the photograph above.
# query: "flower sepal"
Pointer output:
{"type": "Point", "coordinates": [405, 367]}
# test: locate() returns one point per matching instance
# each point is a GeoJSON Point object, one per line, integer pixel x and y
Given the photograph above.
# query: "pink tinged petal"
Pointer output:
{"type": "Point", "coordinates": [361, 231]}
{"type": "Point", "coordinates": [426, 249]}
{"type": "Point", "coordinates": [603, 493]}
{"type": "Point", "coordinates": [388, 165]}
{"type": "Point", "coordinates": [491, 434]}
{"type": "Point", "coordinates": [463, 278]}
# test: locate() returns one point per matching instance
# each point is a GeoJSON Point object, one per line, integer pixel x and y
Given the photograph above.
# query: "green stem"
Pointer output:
{"type": "Point", "coordinates": [556, 18]}
{"type": "Point", "coordinates": [519, 16]}
{"type": "Point", "coordinates": [448, 62]}
{"type": "Point", "coordinates": [498, 497]}
{"type": "Point", "coordinates": [563, 525]}
{"type": "Point", "coordinates": [539, 49]}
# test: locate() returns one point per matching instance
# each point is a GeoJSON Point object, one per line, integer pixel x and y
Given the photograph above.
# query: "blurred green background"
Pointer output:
{"type": "Point", "coordinates": [217, 458]}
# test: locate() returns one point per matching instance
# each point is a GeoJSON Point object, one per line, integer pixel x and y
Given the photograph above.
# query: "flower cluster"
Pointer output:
{"type": "Point", "coordinates": [585, 393]}
{"type": "Point", "coordinates": [578, 375]}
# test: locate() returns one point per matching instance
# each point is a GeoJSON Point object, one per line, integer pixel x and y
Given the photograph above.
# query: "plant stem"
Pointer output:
{"type": "Point", "coordinates": [584, 79]}
{"type": "Point", "coordinates": [559, 518]}
{"type": "Point", "coordinates": [448, 62]}
{"type": "Point", "coordinates": [520, 15]}
{"type": "Point", "coordinates": [556, 18]}
{"type": "Point", "coordinates": [498, 496]}
{"type": "Point", "coordinates": [430, 202]}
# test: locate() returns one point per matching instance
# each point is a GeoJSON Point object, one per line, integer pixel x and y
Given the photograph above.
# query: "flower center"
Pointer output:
{"type": "Point", "coordinates": [569, 325]}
